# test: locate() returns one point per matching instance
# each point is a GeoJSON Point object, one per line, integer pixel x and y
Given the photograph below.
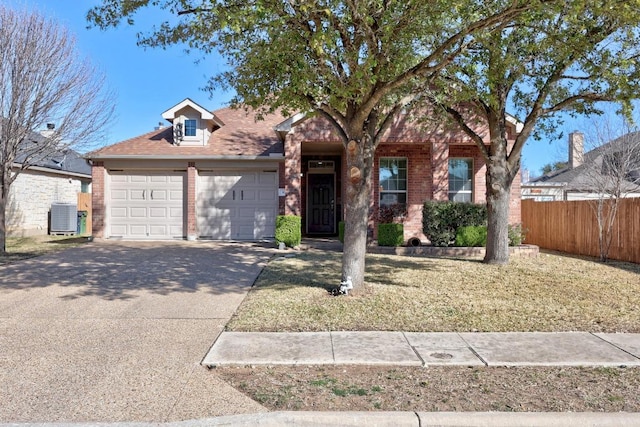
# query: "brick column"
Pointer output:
{"type": "Point", "coordinates": [98, 178]}
{"type": "Point", "coordinates": [192, 175]}
{"type": "Point", "coordinates": [292, 171]}
{"type": "Point", "coordinates": [440, 168]}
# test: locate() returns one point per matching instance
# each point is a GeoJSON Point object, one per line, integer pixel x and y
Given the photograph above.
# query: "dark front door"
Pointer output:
{"type": "Point", "coordinates": [321, 203]}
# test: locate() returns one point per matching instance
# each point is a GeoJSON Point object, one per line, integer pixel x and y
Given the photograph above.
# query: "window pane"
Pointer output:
{"type": "Point", "coordinates": [461, 180]}
{"type": "Point", "coordinates": [190, 127]}
{"type": "Point", "coordinates": [393, 180]}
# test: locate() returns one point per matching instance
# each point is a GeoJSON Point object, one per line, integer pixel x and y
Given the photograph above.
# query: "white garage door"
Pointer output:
{"type": "Point", "coordinates": [237, 205]}
{"type": "Point", "coordinates": [147, 205]}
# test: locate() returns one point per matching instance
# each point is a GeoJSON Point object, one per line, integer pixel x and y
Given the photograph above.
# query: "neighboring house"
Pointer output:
{"type": "Point", "coordinates": [224, 175]}
{"type": "Point", "coordinates": [57, 179]}
{"type": "Point", "coordinates": [584, 173]}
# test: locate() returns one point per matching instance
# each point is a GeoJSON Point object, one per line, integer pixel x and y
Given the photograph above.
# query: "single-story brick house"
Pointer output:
{"type": "Point", "coordinates": [224, 175]}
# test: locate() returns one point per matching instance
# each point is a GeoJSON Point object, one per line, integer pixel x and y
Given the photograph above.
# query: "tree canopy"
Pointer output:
{"type": "Point", "coordinates": [359, 63]}
{"type": "Point", "coordinates": [567, 56]}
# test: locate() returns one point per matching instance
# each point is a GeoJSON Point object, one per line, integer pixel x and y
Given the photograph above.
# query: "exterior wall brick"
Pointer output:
{"type": "Point", "coordinates": [292, 172]}
{"type": "Point", "coordinates": [98, 174]}
{"type": "Point", "coordinates": [30, 199]}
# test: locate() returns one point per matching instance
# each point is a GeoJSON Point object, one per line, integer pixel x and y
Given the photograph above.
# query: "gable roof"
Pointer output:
{"type": "Point", "coordinates": [579, 178]}
{"type": "Point", "coordinates": [61, 161]}
{"type": "Point", "coordinates": [170, 114]}
{"type": "Point", "coordinates": [241, 136]}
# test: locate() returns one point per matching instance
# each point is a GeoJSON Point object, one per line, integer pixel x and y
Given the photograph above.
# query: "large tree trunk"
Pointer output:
{"type": "Point", "coordinates": [359, 158]}
{"type": "Point", "coordinates": [499, 180]}
{"type": "Point", "coordinates": [3, 220]}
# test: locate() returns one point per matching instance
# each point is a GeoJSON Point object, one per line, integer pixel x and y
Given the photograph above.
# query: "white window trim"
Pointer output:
{"type": "Point", "coordinates": [472, 191]}
{"type": "Point", "coordinates": [405, 191]}
{"type": "Point", "coordinates": [190, 137]}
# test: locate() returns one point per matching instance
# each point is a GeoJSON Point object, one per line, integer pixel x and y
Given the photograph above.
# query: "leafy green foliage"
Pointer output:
{"type": "Point", "coordinates": [440, 220]}
{"type": "Point", "coordinates": [471, 236]}
{"type": "Point", "coordinates": [289, 230]}
{"type": "Point", "coordinates": [341, 231]}
{"type": "Point", "coordinates": [390, 234]}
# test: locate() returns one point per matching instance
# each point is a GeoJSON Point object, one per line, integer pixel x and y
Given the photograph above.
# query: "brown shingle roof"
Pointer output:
{"type": "Point", "coordinates": [241, 135]}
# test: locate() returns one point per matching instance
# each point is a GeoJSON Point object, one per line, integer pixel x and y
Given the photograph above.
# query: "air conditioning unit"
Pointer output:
{"type": "Point", "coordinates": [64, 218]}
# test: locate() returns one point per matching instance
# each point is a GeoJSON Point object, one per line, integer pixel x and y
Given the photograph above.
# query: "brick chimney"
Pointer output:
{"type": "Point", "coordinates": [576, 149]}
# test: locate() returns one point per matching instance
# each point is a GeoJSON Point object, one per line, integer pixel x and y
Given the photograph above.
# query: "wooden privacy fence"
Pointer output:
{"type": "Point", "coordinates": [84, 204]}
{"type": "Point", "coordinates": [572, 227]}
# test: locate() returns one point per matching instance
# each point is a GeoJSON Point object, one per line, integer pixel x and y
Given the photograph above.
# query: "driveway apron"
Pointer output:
{"type": "Point", "coordinates": [116, 331]}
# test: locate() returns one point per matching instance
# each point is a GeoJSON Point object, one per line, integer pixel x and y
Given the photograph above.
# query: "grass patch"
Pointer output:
{"type": "Point", "coordinates": [549, 293]}
{"type": "Point", "coordinates": [20, 248]}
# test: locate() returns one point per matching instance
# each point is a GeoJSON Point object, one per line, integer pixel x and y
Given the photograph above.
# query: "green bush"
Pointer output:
{"type": "Point", "coordinates": [390, 234]}
{"type": "Point", "coordinates": [341, 231]}
{"type": "Point", "coordinates": [471, 235]}
{"type": "Point", "coordinates": [289, 230]}
{"type": "Point", "coordinates": [440, 220]}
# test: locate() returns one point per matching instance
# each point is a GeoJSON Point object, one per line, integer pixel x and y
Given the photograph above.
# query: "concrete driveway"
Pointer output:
{"type": "Point", "coordinates": [116, 331]}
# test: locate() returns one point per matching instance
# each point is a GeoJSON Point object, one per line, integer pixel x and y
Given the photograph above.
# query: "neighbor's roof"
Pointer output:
{"type": "Point", "coordinates": [63, 161]}
{"type": "Point", "coordinates": [580, 178]}
{"type": "Point", "coordinates": [241, 135]}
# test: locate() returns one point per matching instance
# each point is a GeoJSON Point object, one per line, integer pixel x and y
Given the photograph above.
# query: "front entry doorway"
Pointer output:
{"type": "Point", "coordinates": [321, 206]}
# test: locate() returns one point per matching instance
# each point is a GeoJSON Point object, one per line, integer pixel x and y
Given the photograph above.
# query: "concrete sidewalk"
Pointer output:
{"type": "Point", "coordinates": [425, 349]}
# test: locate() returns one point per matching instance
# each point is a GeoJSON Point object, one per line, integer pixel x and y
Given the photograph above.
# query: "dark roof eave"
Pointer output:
{"type": "Point", "coordinates": [54, 171]}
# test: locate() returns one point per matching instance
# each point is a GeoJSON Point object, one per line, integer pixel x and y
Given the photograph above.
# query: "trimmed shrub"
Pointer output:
{"type": "Point", "coordinates": [341, 231]}
{"type": "Point", "coordinates": [289, 230]}
{"type": "Point", "coordinates": [390, 234]}
{"type": "Point", "coordinates": [471, 235]}
{"type": "Point", "coordinates": [440, 220]}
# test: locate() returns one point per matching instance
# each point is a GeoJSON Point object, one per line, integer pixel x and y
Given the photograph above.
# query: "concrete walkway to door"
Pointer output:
{"type": "Point", "coordinates": [116, 331]}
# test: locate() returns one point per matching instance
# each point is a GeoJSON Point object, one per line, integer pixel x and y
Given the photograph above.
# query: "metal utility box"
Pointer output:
{"type": "Point", "coordinates": [64, 218]}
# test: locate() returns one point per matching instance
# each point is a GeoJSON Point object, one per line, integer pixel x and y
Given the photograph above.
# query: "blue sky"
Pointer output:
{"type": "Point", "coordinates": [149, 81]}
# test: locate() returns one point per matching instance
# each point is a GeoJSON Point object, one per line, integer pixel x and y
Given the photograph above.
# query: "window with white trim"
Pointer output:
{"type": "Point", "coordinates": [393, 181]}
{"type": "Point", "coordinates": [190, 126]}
{"type": "Point", "coordinates": [461, 180]}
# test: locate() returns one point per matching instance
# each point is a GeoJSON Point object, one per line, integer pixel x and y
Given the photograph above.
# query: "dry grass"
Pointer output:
{"type": "Point", "coordinates": [19, 248]}
{"type": "Point", "coordinates": [548, 293]}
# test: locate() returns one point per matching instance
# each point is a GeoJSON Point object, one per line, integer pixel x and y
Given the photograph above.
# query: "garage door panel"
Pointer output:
{"type": "Point", "coordinates": [268, 178]}
{"type": "Point", "coordinates": [267, 195]}
{"type": "Point", "coordinates": [147, 204]}
{"type": "Point", "coordinates": [158, 195]}
{"type": "Point", "coordinates": [159, 179]}
{"type": "Point", "coordinates": [137, 230]}
{"type": "Point", "coordinates": [237, 205]}
{"type": "Point", "coordinates": [119, 194]}
{"type": "Point", "coordinates": [137, 195]}
{"type": "Point", "coordinates": [117, 213]}
{"type": "Point", "coordinates": [158, 212]}
{"type": "Point", "coordinates": [248, 195]}
{"type": "Point", "coordinates": [138, 178]}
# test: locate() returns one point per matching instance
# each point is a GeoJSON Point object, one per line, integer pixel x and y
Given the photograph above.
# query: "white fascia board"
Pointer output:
{"type": "Point", "coordinates": [288, 124]}
{"type": "Point", "coordinates": [170, 114]}
{"type": "Point", "coordinates": [514, 121]}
